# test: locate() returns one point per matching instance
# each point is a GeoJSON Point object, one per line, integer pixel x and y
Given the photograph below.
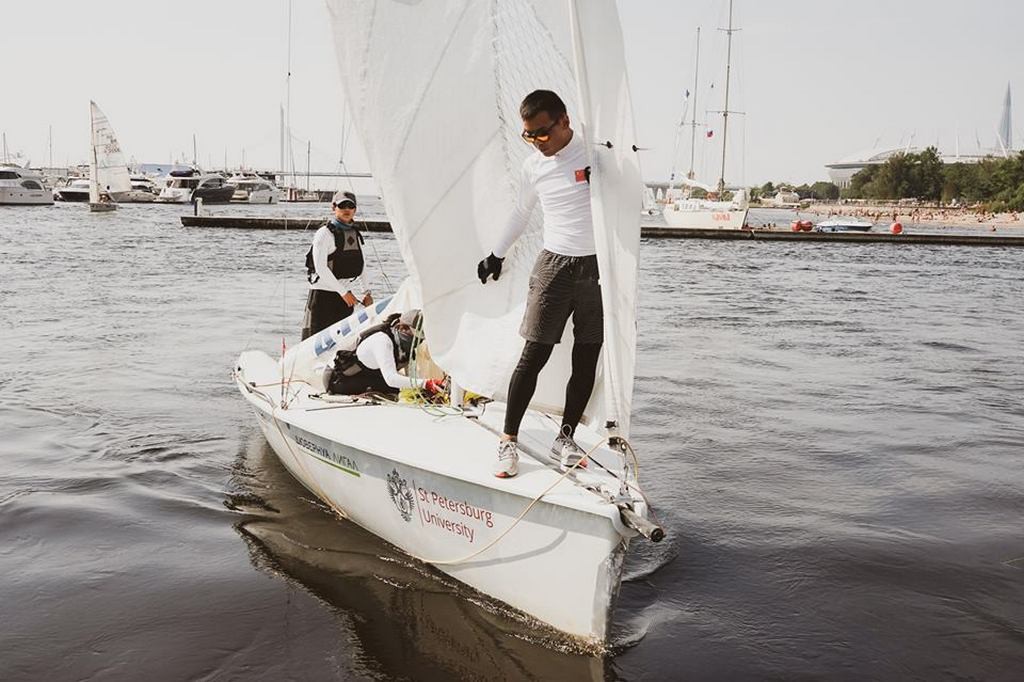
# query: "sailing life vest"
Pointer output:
{"type": "Point", "coordinates": [346, 362]}
{"type": "Point", "coordinates": [346, 261]}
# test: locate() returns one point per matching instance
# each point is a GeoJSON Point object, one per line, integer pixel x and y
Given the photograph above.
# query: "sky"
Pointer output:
{"type": "Point", "coordinates": [815, 80]}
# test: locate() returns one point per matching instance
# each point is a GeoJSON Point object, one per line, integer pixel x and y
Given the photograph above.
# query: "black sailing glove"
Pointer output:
{"type": "Point", "coordinates": [489, 266]}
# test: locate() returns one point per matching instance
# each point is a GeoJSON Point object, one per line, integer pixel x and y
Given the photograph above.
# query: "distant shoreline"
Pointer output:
{"type": "Point", "coordinates": [919, 215]}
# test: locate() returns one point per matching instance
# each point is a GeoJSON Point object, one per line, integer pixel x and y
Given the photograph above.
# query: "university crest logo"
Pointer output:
{"type": "Point", "coordinates": [400, 494]}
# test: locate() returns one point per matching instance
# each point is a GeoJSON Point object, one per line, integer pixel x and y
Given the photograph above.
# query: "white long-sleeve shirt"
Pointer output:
{"type": "Point", "coordinates": [323, 246]}
{"type": "Point", "coordinates": [377, 351]}
{"type": "Point", "coordinates": [559, 182]}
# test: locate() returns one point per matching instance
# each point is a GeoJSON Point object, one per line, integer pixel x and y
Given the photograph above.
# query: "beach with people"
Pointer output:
{"type": "Point", "coordinates": [960, 216]}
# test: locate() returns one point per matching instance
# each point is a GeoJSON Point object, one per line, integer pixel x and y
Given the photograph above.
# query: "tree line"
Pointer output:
{"type": "Point", "coordinates": [995, 183]}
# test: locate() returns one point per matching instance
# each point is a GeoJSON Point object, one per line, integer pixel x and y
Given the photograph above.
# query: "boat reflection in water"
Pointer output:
{"type": "Point", "coordinates": [408, 619]}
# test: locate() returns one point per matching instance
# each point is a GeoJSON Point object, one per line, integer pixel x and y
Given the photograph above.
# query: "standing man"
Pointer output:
{"type": "Point", "coordinates": [564, 280]}
{"type": "Point", "coordinates": [333, 263]}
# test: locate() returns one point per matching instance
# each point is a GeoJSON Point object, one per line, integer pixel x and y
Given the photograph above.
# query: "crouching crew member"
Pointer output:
{"type": "Point", "coordinates": [380, 352]}
{"type": "Point", "coordinates": [334, 264]}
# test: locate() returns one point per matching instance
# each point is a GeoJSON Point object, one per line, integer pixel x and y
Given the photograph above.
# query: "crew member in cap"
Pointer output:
{"type": "Point", "coordinates": [381, 353]}
{"type": "Point", "coordinates": [334, 268]}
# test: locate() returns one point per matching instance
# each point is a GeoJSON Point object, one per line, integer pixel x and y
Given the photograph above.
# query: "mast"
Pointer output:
{"type": "Point", "coordinates": [693, 118]}
{"type": "Point", "coordinates": [94, 186]}
{"type": "Point", "coordinates": [288, 99]}
{"type": "Point", "coordinates": [49, 140]}
{"type": "Point", "coordinates": [725, 112]}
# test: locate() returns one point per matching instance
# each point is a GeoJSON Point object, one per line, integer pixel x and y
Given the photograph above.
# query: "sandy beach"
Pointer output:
{"type": "Point", "coordinates": [919, 215]}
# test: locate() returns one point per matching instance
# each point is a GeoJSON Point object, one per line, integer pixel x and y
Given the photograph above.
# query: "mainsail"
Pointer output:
{"type": "Point", "coordinates": [110, 173]}
{"type": "Point", "coordinates": [434, 89]}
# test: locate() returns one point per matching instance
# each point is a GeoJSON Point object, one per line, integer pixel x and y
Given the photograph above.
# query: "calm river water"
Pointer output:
{"type": "Point", "coordinates": [832, 434]}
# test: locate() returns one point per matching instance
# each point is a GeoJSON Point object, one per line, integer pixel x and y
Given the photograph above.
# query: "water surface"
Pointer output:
{"type": "Point", "coordinates": [830, 432]}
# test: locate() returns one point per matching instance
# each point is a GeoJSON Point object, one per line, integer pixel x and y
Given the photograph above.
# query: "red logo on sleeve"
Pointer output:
{"type": "Point", "coordinates": [581, 175]}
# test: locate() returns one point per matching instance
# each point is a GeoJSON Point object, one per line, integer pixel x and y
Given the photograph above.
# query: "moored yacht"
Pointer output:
{"type": "Point", "coordinates": [693, 213]}
{"type": "Point", "coordinates": [188, 185]}
{"type": "Point", "coordinates": [143, 191]}
{"type": "Point", "coordinates": [253, 189]}
{"type": "Point", "coordinates": [23, 187]}
{"type": "Point", "coordinates": [73, 189]}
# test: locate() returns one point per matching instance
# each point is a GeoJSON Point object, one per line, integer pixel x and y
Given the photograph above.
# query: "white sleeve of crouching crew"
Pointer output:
{"type": "Point", "coordinates": [378, 352]}
{"type": "Point", "coordinates": [525, 201]}
{"type": "Point", "coordinates": [323, 246]}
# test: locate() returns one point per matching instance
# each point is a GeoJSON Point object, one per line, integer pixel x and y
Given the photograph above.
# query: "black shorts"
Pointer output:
{"type": "Point", "coordinates": [561, 286]}
{"type": "Point", "coordinates": [323, 308]}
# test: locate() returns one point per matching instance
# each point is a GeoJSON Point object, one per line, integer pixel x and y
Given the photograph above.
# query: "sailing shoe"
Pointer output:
{"type": "Point", "coordinates": [565, 451]}
{"type": "Point", "coordinates": [507, 465]}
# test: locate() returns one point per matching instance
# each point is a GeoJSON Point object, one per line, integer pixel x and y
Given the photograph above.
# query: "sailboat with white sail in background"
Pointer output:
{"type": "Point", "coordinates": [684, 210]}
{"type": "Point", "coordinates": [104, 178]}
{"type": "Point", "coordinates": [436, 110]}
{"type": "Point", "coordinates": [109, 168]}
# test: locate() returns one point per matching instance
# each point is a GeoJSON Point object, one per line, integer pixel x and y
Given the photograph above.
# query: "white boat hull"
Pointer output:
{"type": "Point", "coordinates": [394, 471]}
{"type": "Point", "coordinates": [19, 196]}
{"type": "Point", "coordinates": [134, 196]}
{"type": "Point", "coordinates": [171, 195]}
{"type": "Point", "coordinates": [255, 197]}
{"type": "Point", "coordinates": [725, 219]}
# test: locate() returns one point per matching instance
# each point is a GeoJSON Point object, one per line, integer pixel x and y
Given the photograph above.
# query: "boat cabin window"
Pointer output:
{"type": "Point", "coordinates": [9, 175]}
{"type": "Point", "coordinates": [183, 183]}
{"type": "Point", "coordinates": [31, 184]}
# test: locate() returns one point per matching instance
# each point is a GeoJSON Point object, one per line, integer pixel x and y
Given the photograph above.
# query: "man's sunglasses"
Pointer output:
{"type": "Point", "coordinates": [540, 134]}
{"type": "Point", "coordinates": [345, 204]}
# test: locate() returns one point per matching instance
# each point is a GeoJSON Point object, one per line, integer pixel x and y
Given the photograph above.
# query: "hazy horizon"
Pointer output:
{"type": "Point", "coordinates": [816, 83]}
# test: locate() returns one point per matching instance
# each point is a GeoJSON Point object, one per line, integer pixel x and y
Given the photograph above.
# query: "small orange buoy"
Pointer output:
{"type": "Point", "coordinates": [795, 226]}
{"type": "Point", "coordinates": [896, 228]}
{"type": "Point", "coordinates": [806, 225]}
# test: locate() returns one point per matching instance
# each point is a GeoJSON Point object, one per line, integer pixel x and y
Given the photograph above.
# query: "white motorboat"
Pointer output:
{"type": "Point", "coordinates": [840, 224]}
{"type": "Point", "coordinates": [184, 186]}
{"type": "Point", "coordinates": [73, 189]}
{"type": "Point", "coordinates": [547, 544]}
{"type": "Point", "coordinates": [24, 187]}
{"type": "Point", "coordinates": [143, 191]}
{"type": "Point", "coordinates": [251, 188]}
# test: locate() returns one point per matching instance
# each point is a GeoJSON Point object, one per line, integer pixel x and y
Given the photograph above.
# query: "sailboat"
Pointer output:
{"type": "Point", "coordinates": [684, 211]}
{"type": "Point", "coordinates": [109, 180]}
{"type": "Point", "coordinates": [438, 111]}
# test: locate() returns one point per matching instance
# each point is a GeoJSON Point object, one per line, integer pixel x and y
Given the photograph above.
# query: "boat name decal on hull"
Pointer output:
{"type": "Point", "coordinates": [432, 504]}
{"type": "Point", "coordinates": [329, 456]}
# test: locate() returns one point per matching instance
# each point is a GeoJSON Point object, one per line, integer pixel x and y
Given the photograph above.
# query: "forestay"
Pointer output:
{"type": "Point", "coordinates": [111, 171]}
{"type": "Point", "coordinates": [434, 89]}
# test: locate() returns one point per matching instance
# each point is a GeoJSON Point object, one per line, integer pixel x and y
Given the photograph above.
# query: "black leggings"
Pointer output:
{"type": "Point", "coordinates": [577, 391]}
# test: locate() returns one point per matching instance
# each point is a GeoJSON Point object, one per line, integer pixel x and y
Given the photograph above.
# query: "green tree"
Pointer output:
{"type": "Point", "coordinates": [824, 191]}
{"type": "Point", "coordinates": [860, 181]}
{"type": "Point", "coordinates": [926, 174]}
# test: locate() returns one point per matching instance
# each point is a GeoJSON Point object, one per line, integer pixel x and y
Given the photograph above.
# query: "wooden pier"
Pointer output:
{"type": "Point", "coordinates": [654, 231]}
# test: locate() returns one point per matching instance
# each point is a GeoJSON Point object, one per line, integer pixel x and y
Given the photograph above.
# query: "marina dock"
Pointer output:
{"type": "Point", "coordinates": [653, 231]}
